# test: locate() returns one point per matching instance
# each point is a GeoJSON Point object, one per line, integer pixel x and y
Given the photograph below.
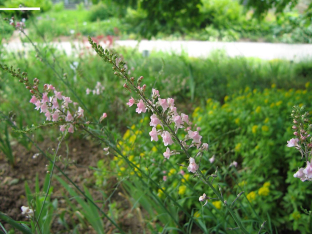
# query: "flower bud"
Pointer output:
{"type": "Point", "coordinates": [296, 133]}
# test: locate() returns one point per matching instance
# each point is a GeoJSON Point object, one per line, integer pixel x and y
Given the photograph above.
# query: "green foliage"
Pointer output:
{"type": "Point", "coordinates": [58, 7]}
{"type": "Point", "coordinates": [100, 12]}
{"type": "Point", "coordinates": [258, 126]}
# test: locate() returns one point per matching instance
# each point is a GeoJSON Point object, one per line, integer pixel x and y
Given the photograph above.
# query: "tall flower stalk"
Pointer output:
{"type": "Point", "coordinates": [165, 115]}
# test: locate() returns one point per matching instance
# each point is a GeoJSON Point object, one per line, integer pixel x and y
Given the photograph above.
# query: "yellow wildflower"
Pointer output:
{"type": "Point", "coordinates": [186, 177]}
{"type": "Point", "coordinates": [182, 189]}
{"type": "Point", "coordinates": [300, 105]}
{"type": "Point", "coordinates": [131, 157]}
{"type": "Point", "coordinates": [254, 129]}
{"type": "Point", "coordinates": [266, 184]}
{"type": "Point", "coordinates": [266, 120]}
{"type": "Point", "coordinates": [133, 127]}
{"type": "Point", "coordinates": [154, 149]}
{"type": "Point", "coordinates": [171, 172]}
{"type": "Point", "coordinates": [126, 135]}
{"type": "Point", "coordinates": [278, 103]}
{"type": "Point", "coordinates": [196, 214]}
{"type": "Point", "coordinates": [160, 192]}
{"type": "Point", "coordinates": [210, 112]}
{"type": "Point", "coordinates": [265, 128]}
{"type": "Point", "coordinates": [254, 91]}
{"type": "Point", "coordinates": [236, 120]}
{"type": "Point", "coordinates": [296, 215]}
{"type": "Point", "coordinates": [217, 204]}
{"type": "Point", "coordinates": [132, 139]}
{"type": "Point", "coordinates": [226, 98]}
{"type": "Point", "coordinates": [208, 100]}
{"type": "Point", "coordinates": [247, 89]}
{"type": "Point", "coordinates": [238, 146]}
{"type": "Point", "coordinates": [258, 109]}
{"type": "Point", "coordinates": [243, 183]}
{"type": "Point", "coordinates": [264, 191]}
{"type": "Point", "coordinates": [121, 162]}
{"type": "Point", "coordinates": [266, 101]}
{"type": "Point", "coordinates": [272, 105]}
{"type": "Point", "coordinates": [115, 158]}
{"type": "Point", "coordinates": [307, 84]}
{"type": "Point", "coordinates": [304, 91]}
{"type": "Point", "coordinates": [122, 169]}
{"type": "Point", "coordinates": [142, 155]}
{"type": "Point", "coordinates": [273, 86]}
{"type": "Point", "coordinates": [199, 119]}
{"type": "Point", "coordinates": [251, 196]}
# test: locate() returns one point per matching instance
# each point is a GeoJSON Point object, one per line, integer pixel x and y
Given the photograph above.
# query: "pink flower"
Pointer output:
{"type": "Point", "coordinates": [62, 128]}
{"type": "Point", "coordinates": [234, 163]}
{"type": "Point", "coordinates": [185, 118]}
{"type": "Point", "coordinates": [195, 136]}
{"type": "Point", "coordinates": [33, 99]}
{"type": "Point", "coordinates": [103, 117]}
{"type": "Point", "coordinates": [45, 97]}
{"type": "Point", "coordinates": [55, 103]}
{"type": "Point", "coordinates": [50, 87]}
{"type": "Point", "coordinates": [131, 102]}
{"type": "Point", "coordinates": [193, 166]}
{"type": "Point", "coordinates": [55, 116]}
{"type": "Point", "coordinates": [167, 153]}
{"type": "Point", "coordinates": [300, 174]}
{"type": "Point", "coordinates": [67, 101]}
{"type": "Point", "coordinates": [80, 112]}
{"type": "Point", "coordinates": [205, 146]}
{"type": "Point", "coordinates": [71, 128]}
{"type": "Point", "coordinates": [58, 95]}
{"type": "Point", "coordinates": [88, 91]}
{"type": "Point", "coordinates": [44, 108]}
{"type": "Point", "coordinates": [69, 117]}
{"type": "Point", "coordinates": [173, 110]}
{"type": "Point", "coordinates": [48, 115]}
{"type": "Point", "coordinates": [211, 160]}
{"type": "Point", "coordinates": [106, 149]}
{"type": "Point", "coordinates": [308, 170]}
{"type": "Point", "coordinates": [292, 142]}
{"type": "Point", "coordinates": [163, 103]}
{"type": "Point", "coordinates": [141, 107]}
{"type": "Point", "coordinates": [154, 120]}
{"type": "Point", "coordinates": [178, 121]}
{"type": "Point", "coordinates": [166, 138]}
{"type": "Point", "coordinates": [203, 197]}
{"type": "Point", "coordinates": [153, 134]}
{"type": "Point", "coordinates": [155, 93]}
{"type": "Point", "coordinates": [170, 102]}
{"type": "Point", "coordinates": [164, 178]}
{"type": "Point", "coordinates": [182, 172]}
{"type": "Point", "coordinates": [38, 105]}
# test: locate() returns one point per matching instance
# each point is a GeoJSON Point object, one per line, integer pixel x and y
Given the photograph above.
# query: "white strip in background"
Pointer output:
{"type": "Point", "coordinates": [21, 9]}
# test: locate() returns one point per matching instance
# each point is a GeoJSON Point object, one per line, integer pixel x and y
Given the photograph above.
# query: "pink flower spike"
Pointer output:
{"type": "Point", "coordinates": [205, 146]}
{"type": "Point", "coordinates": [167, 138]}
{"type": "Point", "coordinates": [154, 120]}
{"type": "Point", "coordinates": [211, 160]}
{"type": "Point", "coordinates": [71, 128]}
{"type": "Point", "coordinates": [163, 103]}
{"type": "Point", "coordinates": [103, 117]}
{"type": "Point", "coordinates": [193, 166]}
{"type": "Point", "coordinates": [69, 117]}
{"type": "Point", "coordinates": [131, 102]}
{"type": "Point", "coordinates": [167, 153]}
{"type": "Point", "coordinates": [55, 116]}
{"type": "Point", "coordinates": [141, 107]}
{"type": "Point", "coordinates": [33, 99]}
{"type": "Point", "coordinates": [48, 115]}
{"type": "Point", "coordinates": [292, 142]}
{"type": "Point", "coordinates": [308, 170]}
{"type": "Point", "coordinates": [45, 97]}
{"type": "Point", "coordinates": [62, 128]}
{"type": "Point", "coordinates": [173, 110]}
{"type": "Point", "coordinates": [164, 178]}
{"type": "Point", "coordinates": [58, 95]}
{"type": "Point", "coordinates": [153, 134]}
{"type": "Point", "coordinates": [185, 118]}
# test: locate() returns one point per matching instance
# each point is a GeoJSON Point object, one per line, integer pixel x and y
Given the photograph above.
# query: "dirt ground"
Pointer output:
{"type": "Point", "coordinates": [82, 154]}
